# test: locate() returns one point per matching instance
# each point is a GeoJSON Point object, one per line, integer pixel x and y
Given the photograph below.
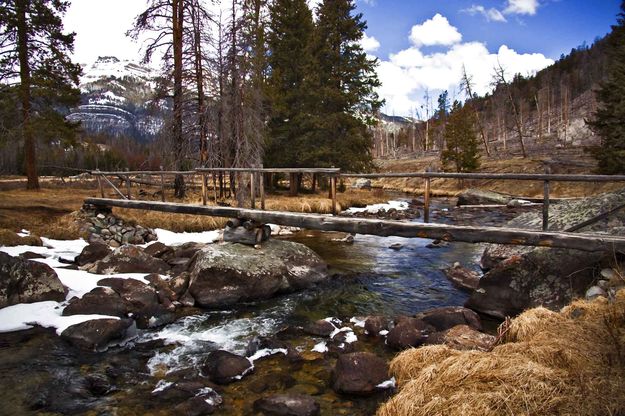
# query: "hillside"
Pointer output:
{"type": "Point", "coordinates": [551, 108]}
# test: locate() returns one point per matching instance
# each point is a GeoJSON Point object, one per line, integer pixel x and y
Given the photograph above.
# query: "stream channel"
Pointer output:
{"type": "Point", "coordinates": [41, 374]}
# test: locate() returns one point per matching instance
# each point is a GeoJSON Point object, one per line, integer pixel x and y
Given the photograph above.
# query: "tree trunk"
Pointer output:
{"type": "Point", "coordinates": [293, 182]}
{"type": "Point", "coordinates": [30, 152]}
{"type": "Point", "coordinates": [177, 31]}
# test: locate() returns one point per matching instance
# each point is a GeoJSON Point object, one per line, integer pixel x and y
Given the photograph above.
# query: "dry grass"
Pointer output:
{"type": "Point", "coordinates": [10, 239]}
{"type": "Point", "coordinates": [567, 363]}
{"type": "Point", "coordinates": [50, 211]}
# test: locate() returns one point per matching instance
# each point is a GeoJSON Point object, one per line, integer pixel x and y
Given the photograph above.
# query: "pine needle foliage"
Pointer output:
{"type": "Point", "coordinates": [461, 141]}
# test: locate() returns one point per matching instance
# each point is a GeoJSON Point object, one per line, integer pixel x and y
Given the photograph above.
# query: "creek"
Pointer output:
{"type": "Point", "coordinates": [41, 374]}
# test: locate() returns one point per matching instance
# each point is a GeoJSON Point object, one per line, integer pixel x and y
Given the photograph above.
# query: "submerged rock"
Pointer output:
{"type": "Point", "coordinates": [320, 328]}
{"type": "Point", "coordinates": [26, 281]}
{"type": "Point", "coordinates": [97, 333]}
{"type": "Point", "coordinates": [287, 405]}
{"type": "Point", "coordinates": [462, 277]}
{"type": "Point", "coordinates": [224, 274]}
{"type": "Point", "coordinates": [359, 373]}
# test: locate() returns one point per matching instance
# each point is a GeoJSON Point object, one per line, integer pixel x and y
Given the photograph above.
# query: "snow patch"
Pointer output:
{"type": "Point", "coordinates": [388, 384]}
{"type": "Point", "coordinates": [375, 208]}
{"type": "Point", "coordinates": [161, 386]}
{"type": "Point", "coordinates": [320, 347]}
{"type": "Point", "coordinates": [170, 238]}
{"type": "Point", "coordinates": [266, 352]}
{"type": "Point", "coordinates": [359, 322]}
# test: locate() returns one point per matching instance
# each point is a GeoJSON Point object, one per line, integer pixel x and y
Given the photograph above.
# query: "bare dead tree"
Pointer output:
{"type": "Point", "coordinates": [500, 80]}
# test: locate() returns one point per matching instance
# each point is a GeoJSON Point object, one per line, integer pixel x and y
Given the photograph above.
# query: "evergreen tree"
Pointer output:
{"type": "Point", "coordinates": [461, 141]}
{"type": "Point", "coordinates": [345, 81]}
{"type": "Point", "coordinates": [35, 56]}
{"type": "Point", "coordinates": [289, 85]}
{"type": "Point", "coordinates": [609, 119]}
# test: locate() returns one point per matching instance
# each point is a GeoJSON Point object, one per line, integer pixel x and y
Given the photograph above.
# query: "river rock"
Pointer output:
{"type": "Point", "coordinates": [287, 405]}
{"type": "Point", "coordinates": [482, 197]}
{"type": "Point", "coordinates": [92, 253]}
{"type": "Point", "coordinates": [463, 337]}
{"type": "Point", "coordinates": [160, 250]}
{"type": "Point", "coordinates": [129, 259]}
{"type": "Point", "coordinates": [359, 373]}
{"type": "Point", "coordinates": [375, 324]}
{"type": "Point", "coordinates": [197, 406]}
{"type": "Point", "coordinates": [227, 273]}
{"type": "Point", "coordinates": [97, 333]}
{"type": "Point", "coordinates": [543, 277]}
{"type": "Point", "coordinates": [180, 284]}
{"type": "Point", "coordinates": [407, 333]}
{"type": "Point", "coordinates": [595, 292]}
{"type": "Point", "coordinates": [462, 277]}
{"type": "Point", "coordinates": [142, 301]}
{"type": "Point", "coordinates": [521, 278]}
{"type": "Point", "coordinates": [26, 281]}
{"type": "Point", "coordinates": [224, 367]}
{"type": "Point", "coordinates": [320, 328]}
{"type": "Point", "coordinates": [100, 301]}
{"type": "Point", "coordinates": [447, 317]}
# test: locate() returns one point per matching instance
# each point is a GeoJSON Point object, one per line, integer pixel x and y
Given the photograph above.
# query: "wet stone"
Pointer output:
{"type": "Point", "coordinates": [287, 405]}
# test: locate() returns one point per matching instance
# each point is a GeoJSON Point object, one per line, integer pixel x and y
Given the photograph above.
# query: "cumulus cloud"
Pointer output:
{"type": "Point", "coordinates": [435, 31]}
{"type": "Point", "coordinates": [492, 14]}
{"type": "Point", "coordinates": [369, 43]}
{"type": "Point", "coordinates": [407, 74]}
{"type": "Point", "coordinates": [527, 7]}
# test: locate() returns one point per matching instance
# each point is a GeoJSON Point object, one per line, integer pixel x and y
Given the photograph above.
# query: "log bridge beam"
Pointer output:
{"type": "Point", "coordinates": [385, 228]}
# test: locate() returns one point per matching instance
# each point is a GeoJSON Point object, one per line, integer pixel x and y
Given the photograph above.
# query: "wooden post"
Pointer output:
{"type": "Point", "coordinates": [204, 190]}
{"type": "Point", "coordinates": [262, 191]}
{"type": "Point", "coordinates": [546, 201]}
{"type": "Point", "coordinates": [314, 183]}
{"type": "Point", "coordinates": [333, 192]}
{"type": "Point", "coordinates": [293, 184]}
{"type": "Point", "coordinates": [100, 183]}
{"type": "Point", "coordinates": [426, 201]}
{"type": "Point", "coordinates": [253, 189]}
{"type": "Point", "coordinates": [215, 187]}
{"type": "Point", "coordinates": [128, 186]}
{"type": "Point", "coordinates": [162, 185]}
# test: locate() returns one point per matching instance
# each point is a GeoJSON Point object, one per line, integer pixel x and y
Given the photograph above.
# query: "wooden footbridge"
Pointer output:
{"type": "Point", "coordinates": [446, 232]}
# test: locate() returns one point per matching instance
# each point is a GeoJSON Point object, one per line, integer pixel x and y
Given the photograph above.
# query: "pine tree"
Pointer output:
{"type": "Point", "coordinates": [289, 85]}
{"type": "Point", "coordinates": [345, 83]}
{"type": "Point", "coordinates": [461, 141]}
{"type": "Point", "coordinates": [35, 56]}
{"type": "Point", "coordinates": [609, 119]}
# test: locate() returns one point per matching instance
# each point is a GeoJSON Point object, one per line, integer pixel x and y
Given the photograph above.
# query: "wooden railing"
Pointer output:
{"type": "Point", "coordinates": [257, 178]}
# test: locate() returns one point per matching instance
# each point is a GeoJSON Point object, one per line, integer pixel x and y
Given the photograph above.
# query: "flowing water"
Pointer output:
{"type": "Point", "coordinates": [40, 374]}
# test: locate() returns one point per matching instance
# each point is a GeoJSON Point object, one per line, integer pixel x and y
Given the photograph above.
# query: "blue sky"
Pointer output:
{"type": "Point", "coordinates": [555, 28]}
{"type": "Point", "coordinates": [422, 45]}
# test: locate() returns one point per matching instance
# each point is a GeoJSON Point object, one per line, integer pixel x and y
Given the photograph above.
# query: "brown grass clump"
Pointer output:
{"type": "Point", "coordinates": [11, 239]}
{"type": "Point", "coordinates": [567, 363]}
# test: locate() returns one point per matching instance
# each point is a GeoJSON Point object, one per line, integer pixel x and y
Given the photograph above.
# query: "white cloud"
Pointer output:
{"type": "Point", "coordinates": [492, 14]}
{"type": "Point", "coordinates": [407, 74]}
{"type": "Point", "coordinates": [435, 31]}
{"type": "Point", "coordinates": [528, 7]}
{"type": "Point", "coordinates": [369, 43]}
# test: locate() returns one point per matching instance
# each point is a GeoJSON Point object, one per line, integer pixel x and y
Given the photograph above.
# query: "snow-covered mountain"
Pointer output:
{"type": "Point", "coordinates": [118, 99]}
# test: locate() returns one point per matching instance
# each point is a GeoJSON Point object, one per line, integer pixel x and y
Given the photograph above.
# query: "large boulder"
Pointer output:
{"type": "Point", "coordinates": [522, 277]}
{"type": "Point", "coordinates": [224, 274]}
{"type": "Point", "coordinates": [482, 197]}
{"type": "Point", "coordinates": [287, 405]}
{"type": "Point", "coordinates": [26, 281]}
{"type": "Point", "coordinates": [97, 333]}
{"type": "Point", "coordinates": [359, 373]}
{"type": "Point", "coordinates": [129, 259]}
